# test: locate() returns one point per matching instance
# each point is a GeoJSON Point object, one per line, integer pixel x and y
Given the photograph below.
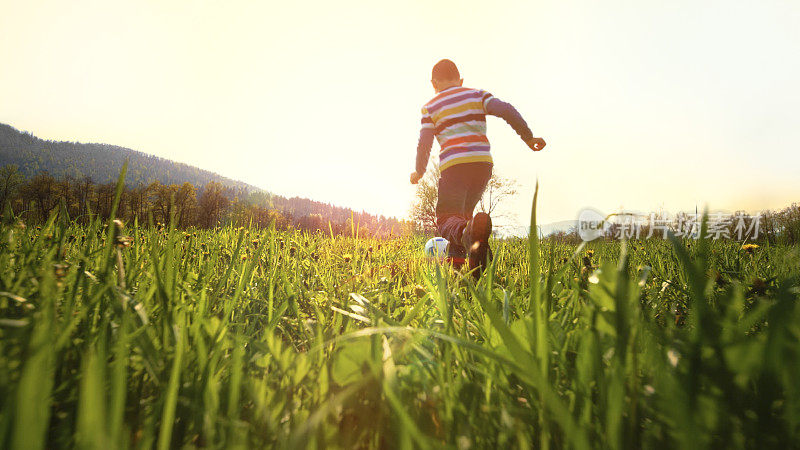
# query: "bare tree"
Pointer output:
{"type": "Point", "coordinates": [64, 190]}
{"type": "Point", "coordinates": [498, 190]}
{"type": "Point", "coordinates": [10, 180]}
{"type": "Point", "coordinates": [185, 203]}
{"type": "Point", "coordinates": [138, 202]}
{"type": "Point", "coordinates": [41, 191]}
{"type": "Point", "coordinates": [104, 199]}
{"type": "Point", "coordinates": [423, 210]}
{"type": "Point", "coordinates": [212, 203]}
{"type": "Point", "coordinates": [161, 201]}
{"type": "Point", "coordinates": [84, 189]}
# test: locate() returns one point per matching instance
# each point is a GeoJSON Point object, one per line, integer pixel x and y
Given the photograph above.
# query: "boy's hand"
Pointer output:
{"type": "Point", "coordinates": [536, 144]}
{"type": "Point", "coordinates": [415, 177]}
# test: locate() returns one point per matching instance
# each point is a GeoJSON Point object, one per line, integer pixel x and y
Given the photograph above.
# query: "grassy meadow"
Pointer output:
{"type": "Point", "coordinates": [129, 336]}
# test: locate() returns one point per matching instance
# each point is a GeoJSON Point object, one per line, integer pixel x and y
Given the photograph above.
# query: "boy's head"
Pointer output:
{"type": "Point", "coordinates": [444, 75]}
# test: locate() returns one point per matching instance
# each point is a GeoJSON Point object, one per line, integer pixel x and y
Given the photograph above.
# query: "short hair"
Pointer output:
{"type": "Point", "coordinates": [445, 70]}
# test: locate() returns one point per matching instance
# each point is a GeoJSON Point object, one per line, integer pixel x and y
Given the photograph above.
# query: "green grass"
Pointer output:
{"type": "Point", "coordinates": [255, 338]}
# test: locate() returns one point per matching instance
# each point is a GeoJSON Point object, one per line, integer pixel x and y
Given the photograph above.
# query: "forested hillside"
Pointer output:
{"type": "Point", "coordinates": [99, 162]}
{"type": "Point", "coordinates": [37, 175]}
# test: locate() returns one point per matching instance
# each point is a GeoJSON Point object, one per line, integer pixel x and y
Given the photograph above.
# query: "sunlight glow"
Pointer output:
{"type": "Point", "coordinates": [643, 104]}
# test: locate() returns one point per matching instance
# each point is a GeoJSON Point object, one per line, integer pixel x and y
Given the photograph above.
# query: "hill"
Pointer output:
{"type": "Point", "coordinates": [99, 162]}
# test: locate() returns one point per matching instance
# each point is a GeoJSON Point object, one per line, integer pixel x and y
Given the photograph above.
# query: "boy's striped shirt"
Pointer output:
{"type": "Point", "coordinates": [457, 116]}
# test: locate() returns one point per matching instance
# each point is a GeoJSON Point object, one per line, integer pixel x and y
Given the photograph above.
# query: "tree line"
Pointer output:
{"type": "Point", "coordinates": [32, 199]}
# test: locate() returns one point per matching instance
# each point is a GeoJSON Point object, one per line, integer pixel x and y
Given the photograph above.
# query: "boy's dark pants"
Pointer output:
{"type": "Point", "coordinates": [460, 189]}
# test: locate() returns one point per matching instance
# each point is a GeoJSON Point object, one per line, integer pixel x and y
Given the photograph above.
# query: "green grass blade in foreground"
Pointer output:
{"type": "Point", "coordinates": [119, 368]}
{"type": "Point", "coordinates": [523, 367]}
{"type": "Point", "coordinates": [533, 257]}
{"type": "Point", "coordinates": [171, 400]}
{"type": "Point", "coordinates": [33, 396]}
{"type": "Point", "coordinates": [91, 431]}
{"type": "Point", "coordinates": [535, 303]}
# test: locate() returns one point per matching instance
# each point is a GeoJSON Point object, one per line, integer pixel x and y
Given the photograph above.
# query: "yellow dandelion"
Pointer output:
{"type": "Point", "coordinates": [749, 248]}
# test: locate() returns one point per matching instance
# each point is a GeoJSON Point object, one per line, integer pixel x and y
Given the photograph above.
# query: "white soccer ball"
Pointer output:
{"type": "Point", "coordinates": [436, 247]}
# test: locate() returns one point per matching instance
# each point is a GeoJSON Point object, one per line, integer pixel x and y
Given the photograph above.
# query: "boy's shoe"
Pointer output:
{"type": "Point", "coordinates": [456, 261]}
{"type": "Point", "coordinates": [475, 239]}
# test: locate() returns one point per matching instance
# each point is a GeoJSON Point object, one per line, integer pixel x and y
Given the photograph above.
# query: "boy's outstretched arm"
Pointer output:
{"type": "Point", "coordinates": [508, 113]}
{"type": "Point", "coordinates": [423, 148]}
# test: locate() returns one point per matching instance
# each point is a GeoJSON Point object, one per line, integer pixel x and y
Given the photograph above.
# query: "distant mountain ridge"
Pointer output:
{"type": "Point", "coordinates": [100, 162]}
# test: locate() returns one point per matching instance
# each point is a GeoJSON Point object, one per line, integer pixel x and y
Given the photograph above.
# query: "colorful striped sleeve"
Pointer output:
{"type": "Point", "coordinates": [427, 122]}
{"type": "Point", "coordinates": [508, 113]}
{"type": "Point", "coordinates": [485, 99]}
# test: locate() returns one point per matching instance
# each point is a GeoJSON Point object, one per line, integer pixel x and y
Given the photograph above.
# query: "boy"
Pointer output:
{"type": "Point", "coordinates": [457, 117]}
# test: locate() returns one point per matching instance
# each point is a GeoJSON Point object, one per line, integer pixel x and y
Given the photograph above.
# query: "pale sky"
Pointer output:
{"type": "Point", "coordinates": [644, 104]}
